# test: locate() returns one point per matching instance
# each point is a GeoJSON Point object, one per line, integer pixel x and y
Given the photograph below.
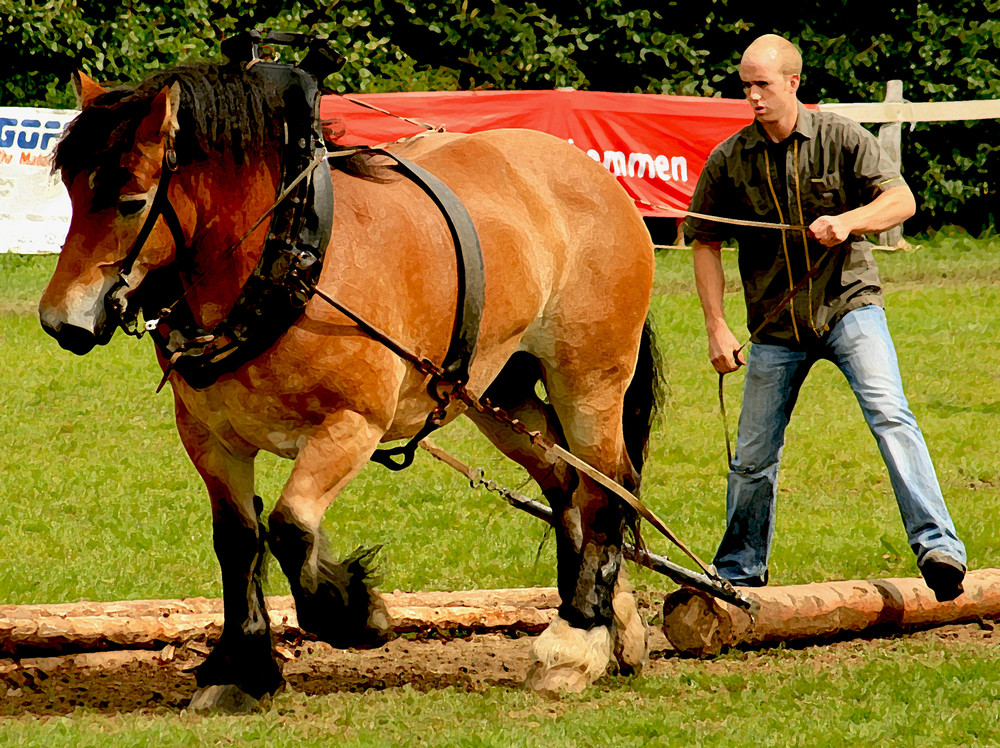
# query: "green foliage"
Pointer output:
{"type": "Point", "coordinates": [942, 51]}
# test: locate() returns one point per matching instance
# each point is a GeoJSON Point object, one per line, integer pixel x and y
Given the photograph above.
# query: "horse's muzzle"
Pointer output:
{"type": "Point", "coordinates": [75, 338]}
{"type": "Point", "coordinates": [72, 338]}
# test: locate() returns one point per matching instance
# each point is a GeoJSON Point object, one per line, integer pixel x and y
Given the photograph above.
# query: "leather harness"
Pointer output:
{"type": "Point", "coordinates": [285, 277]}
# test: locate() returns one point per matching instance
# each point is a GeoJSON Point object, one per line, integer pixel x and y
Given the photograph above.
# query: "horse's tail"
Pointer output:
{"type": "Point", "coordinates": [643, 399]}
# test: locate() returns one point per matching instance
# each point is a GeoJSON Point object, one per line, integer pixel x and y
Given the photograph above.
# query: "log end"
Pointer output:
{"type": "Point", "coordinates": [696, 624]}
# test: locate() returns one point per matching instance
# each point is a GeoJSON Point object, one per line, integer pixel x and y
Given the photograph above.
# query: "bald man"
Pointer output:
{"type": "Point", "coordinates": [811, 293]}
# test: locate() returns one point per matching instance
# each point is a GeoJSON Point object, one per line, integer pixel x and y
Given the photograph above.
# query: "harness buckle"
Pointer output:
{"type": "Point", "coordinates": [304, 259]}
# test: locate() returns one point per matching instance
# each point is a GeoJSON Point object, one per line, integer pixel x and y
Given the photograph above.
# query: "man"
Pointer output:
{"type": "Point", "coordinates": [811, 293]}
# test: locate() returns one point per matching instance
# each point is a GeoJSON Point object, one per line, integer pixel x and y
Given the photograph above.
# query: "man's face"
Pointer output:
{"type": "Point", "coordinates": [770, 93]}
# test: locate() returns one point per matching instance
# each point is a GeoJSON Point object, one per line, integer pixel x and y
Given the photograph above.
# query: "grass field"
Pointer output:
{"type": "Point", "coordinates": [99, 502]}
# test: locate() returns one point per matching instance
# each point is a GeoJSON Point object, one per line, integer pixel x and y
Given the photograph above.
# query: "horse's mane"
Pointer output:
{"type": "Point", "coordinates": [224, 110]}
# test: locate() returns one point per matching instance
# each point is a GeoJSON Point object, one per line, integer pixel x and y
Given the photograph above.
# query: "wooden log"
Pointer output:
{"type": "Point", "coordinates": [535, 597]}
{"type": "Point", "coordinates": [503, 618]}
{"type": "Point", "coordinates": [152, 624]}
{"type": "Point", "coordinates": [21, 637]}
{"type": "Point", "coordinates": [529, 597]}
{"type": "Point", "coordinates": [699, 625]}
{"type": "Point", "coordinates": [127, 608]}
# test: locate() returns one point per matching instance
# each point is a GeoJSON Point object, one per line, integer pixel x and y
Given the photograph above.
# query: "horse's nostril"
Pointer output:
{"type": "Point", "coordinates": [74, 339]}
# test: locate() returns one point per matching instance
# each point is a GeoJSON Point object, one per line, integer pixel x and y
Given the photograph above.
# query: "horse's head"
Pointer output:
{"type": "Point", "coordinates": [112, 161]}
{"type": "Point", "coordinates": [219, 127]}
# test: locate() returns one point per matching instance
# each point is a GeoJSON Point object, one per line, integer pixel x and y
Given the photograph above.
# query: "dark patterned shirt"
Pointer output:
{"type": "Point", "coordinates": [827, 166]}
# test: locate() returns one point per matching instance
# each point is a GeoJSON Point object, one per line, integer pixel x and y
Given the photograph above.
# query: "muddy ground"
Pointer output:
{"type": "Point", "coordinates": [126, 682]}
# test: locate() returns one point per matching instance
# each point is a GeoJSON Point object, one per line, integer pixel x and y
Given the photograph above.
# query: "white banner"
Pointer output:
{"type": "Point", "coordinates": [34, 206]}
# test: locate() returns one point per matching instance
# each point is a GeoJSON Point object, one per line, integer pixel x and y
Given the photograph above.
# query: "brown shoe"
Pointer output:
{"type": "Point", "coordinates": [944, 575]}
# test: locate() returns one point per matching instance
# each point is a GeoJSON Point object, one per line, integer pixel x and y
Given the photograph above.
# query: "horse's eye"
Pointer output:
{"type": "Point", "coordinates": [131, 206]}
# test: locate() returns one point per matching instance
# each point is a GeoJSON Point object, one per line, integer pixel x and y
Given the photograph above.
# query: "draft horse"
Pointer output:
{"type": "Point", "coordinates": [564, 344]}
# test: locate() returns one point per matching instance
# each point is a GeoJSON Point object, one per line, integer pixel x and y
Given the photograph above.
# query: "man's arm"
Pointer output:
{"type": "Point", "coordinates": [710, 280]}
{"type": "Point", "coordinates": [889, 209]}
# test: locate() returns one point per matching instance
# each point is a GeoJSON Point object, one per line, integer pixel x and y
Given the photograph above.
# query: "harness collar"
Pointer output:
{"type": "Point", "coordinates": [285, 277]}
{"type": "Point", "coordinates": [279, 287]}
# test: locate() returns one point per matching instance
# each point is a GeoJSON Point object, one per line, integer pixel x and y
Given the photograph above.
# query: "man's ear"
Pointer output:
{"type": "Point", "coordinates": [86, 89]}
{"type": "Point", "coordinates": [793, 82]}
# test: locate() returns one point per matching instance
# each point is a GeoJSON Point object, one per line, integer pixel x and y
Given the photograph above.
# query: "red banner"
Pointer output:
{"type": "Point", "coordinates": [656, 145]}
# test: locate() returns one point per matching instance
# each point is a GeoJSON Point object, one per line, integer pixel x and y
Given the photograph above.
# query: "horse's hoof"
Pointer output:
{"type": "Point", "coordinates": [568, 659]}
{"type": "Point", "coordinates": [227, 699]}
{"type": "Point", "coordinates": [631, 640]}
{"type": "Point", "coordinates": [379, 628]}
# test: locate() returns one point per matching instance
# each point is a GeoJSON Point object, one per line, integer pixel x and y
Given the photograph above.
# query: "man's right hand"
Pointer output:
{"type": "Point", "coordinates": [724, 350]}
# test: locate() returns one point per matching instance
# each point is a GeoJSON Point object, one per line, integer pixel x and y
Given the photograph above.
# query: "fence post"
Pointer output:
{"type": "Point", "coordinates": [890, 140]}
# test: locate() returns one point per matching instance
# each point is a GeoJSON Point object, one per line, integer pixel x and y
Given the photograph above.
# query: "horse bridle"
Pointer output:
{"type": "Point", "coordinates": [161, 206]}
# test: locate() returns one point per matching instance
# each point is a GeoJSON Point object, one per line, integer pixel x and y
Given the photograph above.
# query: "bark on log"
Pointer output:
{"type": "Point", "coordinates": [534, 597]}
{"type": "Point", "coordinates": [151, 624]}
{"type": "Point", "coordinates": [699, 625]}
{"type": "Point", "coordinates": [86, 661]}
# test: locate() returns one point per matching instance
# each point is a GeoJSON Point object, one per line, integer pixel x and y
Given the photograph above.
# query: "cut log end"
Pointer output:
{"type": "Point", "coordinates": [696, 624]}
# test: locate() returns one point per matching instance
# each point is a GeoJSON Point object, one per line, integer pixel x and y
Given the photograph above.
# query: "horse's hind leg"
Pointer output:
{"type": "Point", "coordinates": [334, 600]}
{"type": "Point", "coordinates": [597, 617]}
{"type": "Point", "coordinates": [242, 668]}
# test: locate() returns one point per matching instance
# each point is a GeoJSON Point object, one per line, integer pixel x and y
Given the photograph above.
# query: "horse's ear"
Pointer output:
{"type": "Point", "coordinates": [86, 88]}
{"type": "Point", "coordinates": [170, 123]}
{"type": "Point", "coordinates": [161, 122]}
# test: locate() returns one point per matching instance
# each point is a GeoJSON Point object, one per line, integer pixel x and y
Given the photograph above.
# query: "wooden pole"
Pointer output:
{"type": "Point", "coordinates": [700, 625]}
{"type": "Point", "coordinates": [891, 141]}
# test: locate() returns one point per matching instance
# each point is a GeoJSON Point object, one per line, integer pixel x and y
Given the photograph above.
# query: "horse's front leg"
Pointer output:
{"type": "Point", "coordinates": [242, 668]}
{"type": "Point", "coordinates": [334, 600]}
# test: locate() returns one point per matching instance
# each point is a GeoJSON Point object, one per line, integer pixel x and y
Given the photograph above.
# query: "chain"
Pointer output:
{"type": "Point", "coordinates": [483, 406]}
{"type": "Point", "coordinates": [661, 564]}
{"type": "Point", "coordinates": [479, 481]}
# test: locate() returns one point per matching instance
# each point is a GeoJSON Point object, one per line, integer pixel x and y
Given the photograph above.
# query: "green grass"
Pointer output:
{"type": "Point", "coordinates": [100, 502]}
{"type": "Point", "coordinates": [906, 692]}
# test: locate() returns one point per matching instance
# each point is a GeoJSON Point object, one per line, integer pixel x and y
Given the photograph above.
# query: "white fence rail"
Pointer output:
{"type": "Point", "coordinates": [893, 111]}
{"type": "Point", "coordinates": [905, 111]}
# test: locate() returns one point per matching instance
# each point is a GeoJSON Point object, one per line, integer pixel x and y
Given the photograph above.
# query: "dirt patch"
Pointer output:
{"type": "Point", "coordinates": [144, 680]}
{"type": "Point", "coordinates": [164, 680]}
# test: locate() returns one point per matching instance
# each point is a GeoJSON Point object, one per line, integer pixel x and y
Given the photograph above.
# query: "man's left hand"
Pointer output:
{"type": "Point", "coordinates": [830, 230]}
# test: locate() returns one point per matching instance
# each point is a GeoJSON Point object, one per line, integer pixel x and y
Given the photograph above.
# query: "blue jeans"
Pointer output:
{"type": "Point", "coordinates": [861, 348]}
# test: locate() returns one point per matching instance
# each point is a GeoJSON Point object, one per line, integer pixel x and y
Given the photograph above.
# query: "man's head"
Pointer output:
{"type": "Point", "coordinates": [770, 70]}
